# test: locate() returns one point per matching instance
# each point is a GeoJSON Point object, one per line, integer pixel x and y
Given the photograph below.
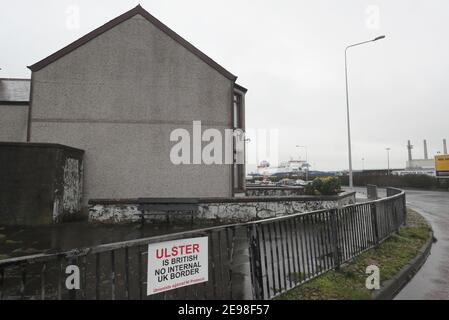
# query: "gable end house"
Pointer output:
{"type": "Point", "coordinates": [118, 93]}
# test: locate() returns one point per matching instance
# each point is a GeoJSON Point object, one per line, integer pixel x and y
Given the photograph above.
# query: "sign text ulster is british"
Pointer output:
{"type": "Point", "coordinates": [175, 264]}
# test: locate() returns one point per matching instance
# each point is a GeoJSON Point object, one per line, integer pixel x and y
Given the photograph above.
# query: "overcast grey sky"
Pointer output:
{"type": "Point", "coordinates": [290, 55]}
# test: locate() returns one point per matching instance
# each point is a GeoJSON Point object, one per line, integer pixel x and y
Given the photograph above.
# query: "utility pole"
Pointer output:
{"type": "Point", "coordinates": [388, 160]}
{"type": "Point", "coordinates": [351, 184]}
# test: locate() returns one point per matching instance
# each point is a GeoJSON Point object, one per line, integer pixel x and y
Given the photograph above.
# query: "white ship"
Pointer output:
{"type": "Point", "coordinates": [291, 167]}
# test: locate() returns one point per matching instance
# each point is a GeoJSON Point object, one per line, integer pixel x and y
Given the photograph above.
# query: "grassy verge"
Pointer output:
{"type": "Point", "coordinates": [349, 282]}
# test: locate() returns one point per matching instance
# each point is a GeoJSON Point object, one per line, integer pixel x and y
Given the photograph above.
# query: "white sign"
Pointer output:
{"type": "Point", "coordinates": [175, 264]}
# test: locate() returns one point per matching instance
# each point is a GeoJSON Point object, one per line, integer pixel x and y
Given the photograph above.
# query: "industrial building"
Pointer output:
{"type": "Point", "coordinates": [423, 165]}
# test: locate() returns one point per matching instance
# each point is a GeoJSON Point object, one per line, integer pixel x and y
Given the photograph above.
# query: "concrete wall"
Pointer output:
{"type": "Point", "coordinates": [118, 97]}
{"type": "Point", "coordinates": [218, 210]}
{"type": "Point", "coordinates": [274, 191]}
{"type": "Point", "coordinates": [40, 183]}
{"type": "Point", "coordinates": [13, 122]}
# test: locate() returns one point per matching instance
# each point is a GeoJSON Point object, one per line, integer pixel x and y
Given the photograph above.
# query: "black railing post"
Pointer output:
{"type": "Point", "coordinates": [335, 238]}
{"type": "Point", "coordinates": [374, 221]}
{"type": "Point", "coordinates": [396, 213]}
{"type": "Point", "coordinates": [404, 204]}
{"type": "Point", "coordinates": [255, 262]}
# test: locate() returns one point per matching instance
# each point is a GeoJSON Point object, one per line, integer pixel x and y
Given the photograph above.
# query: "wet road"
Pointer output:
{"type": "Point", "coordinates": [432, 281]}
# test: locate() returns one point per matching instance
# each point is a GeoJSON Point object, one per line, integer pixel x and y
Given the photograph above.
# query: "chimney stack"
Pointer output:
{"type": "Point", "coordinates": [409, 148]}
{"type": "Point", "coordinates": [426, 156]}
{"type": "Point", "coordinates": [444, 146]}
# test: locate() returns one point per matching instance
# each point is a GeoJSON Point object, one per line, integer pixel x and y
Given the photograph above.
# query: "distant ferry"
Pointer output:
{"type": "Point", "coordinates": [291, 167]}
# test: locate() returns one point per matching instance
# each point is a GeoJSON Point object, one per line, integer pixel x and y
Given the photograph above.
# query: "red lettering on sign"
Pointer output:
{"type": "Point", "coordinates": [164, 253]}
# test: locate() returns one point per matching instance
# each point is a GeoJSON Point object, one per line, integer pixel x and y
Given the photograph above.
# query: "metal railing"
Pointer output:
{"type": "Point", "coordinates": [254, 260]}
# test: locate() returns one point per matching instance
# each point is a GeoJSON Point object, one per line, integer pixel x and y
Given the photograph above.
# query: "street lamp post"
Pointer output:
{"type": "Point", "coordinates": [388, 160]}
{"type": "Point", "coordinates": [307, 164]}
{"type": "Point", "coordinates": [351, 184]}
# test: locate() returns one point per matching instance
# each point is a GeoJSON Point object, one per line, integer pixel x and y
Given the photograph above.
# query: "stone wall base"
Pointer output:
{"type": "Point", "coordinates": [217, 210]}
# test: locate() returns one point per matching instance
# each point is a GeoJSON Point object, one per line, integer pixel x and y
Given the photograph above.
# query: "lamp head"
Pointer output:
{"type": "Point", "coordinates": [379, 38]}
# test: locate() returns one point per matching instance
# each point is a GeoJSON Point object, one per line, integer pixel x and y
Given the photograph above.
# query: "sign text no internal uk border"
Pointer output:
{"type": "Point", "coordinates": [176, 264]}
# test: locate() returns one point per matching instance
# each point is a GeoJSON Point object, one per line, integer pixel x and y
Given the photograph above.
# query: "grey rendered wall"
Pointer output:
{"type": "Point", "coordinates": [13, 123]}
{"type": "Point", "coordinates": [118, 97]}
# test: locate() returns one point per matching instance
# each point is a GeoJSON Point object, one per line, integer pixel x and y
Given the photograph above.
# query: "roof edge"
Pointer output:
{"type": "Point", "coordinates": [116, 21]}
{"type": "Point", "coordinates": [241, 88]}
{"type": "Point", "coordinates": [15, 79]}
